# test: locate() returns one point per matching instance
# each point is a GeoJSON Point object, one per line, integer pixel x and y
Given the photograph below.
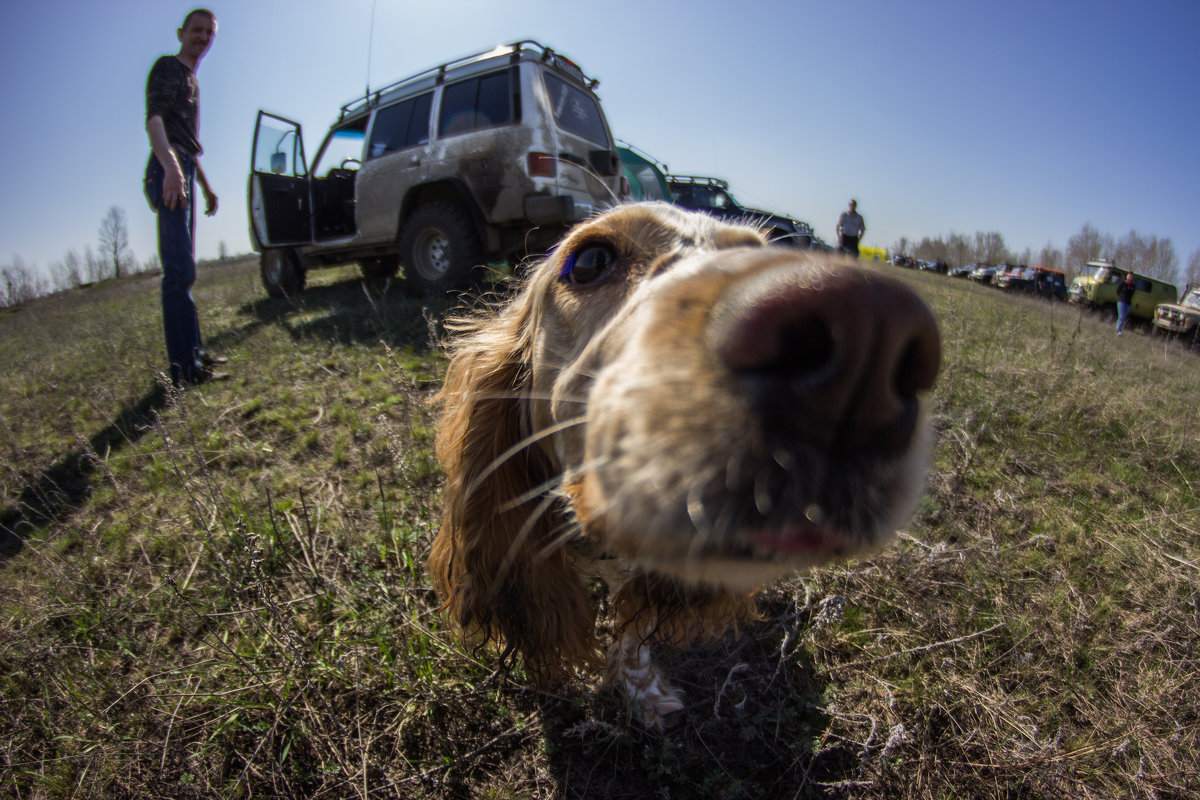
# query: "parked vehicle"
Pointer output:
{"type": "Point", "coordinates": [1040, 281]}
{"type": "Point", "coordinates": [479, 159]}
{"type": "Point", "coordinates": [984, 273]}
{"type": "Point", "coordinates": [711, 195]}
{"type": "Point", "coordinates": [645, 177]}
{"type": "Point", "coordinates": [1096, 288]}
{"type": "Point", "coordinates": [1182, 319]}
{"type": "Point", "coordinates": [961, 272]}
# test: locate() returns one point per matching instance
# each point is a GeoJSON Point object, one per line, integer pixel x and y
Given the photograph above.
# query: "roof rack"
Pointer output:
{"type": "Point", "coordinates": [438, 74]}
{"type": "Point", "coordinates": [698, 180]}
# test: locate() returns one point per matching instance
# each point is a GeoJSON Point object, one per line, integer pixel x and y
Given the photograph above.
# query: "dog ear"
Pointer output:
{"type": "Point", "coordinates": [498, 561]}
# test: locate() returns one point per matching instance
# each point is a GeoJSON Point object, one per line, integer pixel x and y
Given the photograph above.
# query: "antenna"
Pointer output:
{"type": "Point", "coordinates": [370, 46]}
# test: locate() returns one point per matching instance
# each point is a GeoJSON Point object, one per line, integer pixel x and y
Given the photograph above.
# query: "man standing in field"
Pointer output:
{"type": "Point", "coordinates": [173, 124]}
{"type": "Point", "coordinates": [850, 230]}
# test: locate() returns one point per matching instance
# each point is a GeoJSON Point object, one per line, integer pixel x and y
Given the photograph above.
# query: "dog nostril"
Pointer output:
{"type": "Point", "coordinates": [806, 349]}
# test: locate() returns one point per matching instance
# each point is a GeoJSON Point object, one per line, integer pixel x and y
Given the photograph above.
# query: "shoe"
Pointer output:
{"type": "Point", "coordinates": [209, 359]}
{"type": "Point", "coordinates": [203, 375]}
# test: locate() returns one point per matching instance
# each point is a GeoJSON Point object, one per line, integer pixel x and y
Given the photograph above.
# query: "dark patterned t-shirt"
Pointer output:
{"type": "Point", "coordinates": [173, 93]}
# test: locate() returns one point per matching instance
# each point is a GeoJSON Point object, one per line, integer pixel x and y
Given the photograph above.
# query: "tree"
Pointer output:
{"type": "Point", "coordinates": [900, 248]}
{"type": "Point", "coordinates": [68, 273]}
{"type": "Point", "coordinates": [17, 285]}
{"type": "Point", "coordinates": [1192, 276]}
{"type": "Point", "coordinates": [1087, 245]}
{"type": "Point", "coordinates": [114, 243]}
{"type": "Point", "coordinates": [990, 248]}
{"type": "Point", "coordinates": [1051, 257]}
{"type": "Point", "coordinates": [1148, 255]}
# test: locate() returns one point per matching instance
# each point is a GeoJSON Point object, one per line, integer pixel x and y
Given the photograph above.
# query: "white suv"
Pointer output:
{"type": "Point", "coordinates": [479, 159]}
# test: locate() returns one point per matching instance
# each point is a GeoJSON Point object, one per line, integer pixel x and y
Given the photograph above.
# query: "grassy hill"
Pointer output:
{"type": "Point", "coordinates": [224, 595]}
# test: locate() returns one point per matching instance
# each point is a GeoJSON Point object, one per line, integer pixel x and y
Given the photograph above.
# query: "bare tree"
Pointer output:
{"type": "Point", "coordinates": [114, 242]}
{"type": "Point", "coordinates": [900, 248]}
{"type": "Point", "coordinates": [1087, 245]}
{"type": "Point", "coordinates": [1148, 255]}
{"type": "Point", "coordinates": [93, 268]}
{"type": "Point", "coordinates": [1051, 257]}
{"type": "Point", "coordinates": [990, 248]}
{"type": "Point", "coordinates": [18, 285]}
{"type": "Point", "coordinates": [68, 273]}
{"type": "Point", "coordinates": [1191, 277]}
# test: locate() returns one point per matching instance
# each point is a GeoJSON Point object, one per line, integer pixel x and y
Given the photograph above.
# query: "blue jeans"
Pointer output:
{"type": "Point", "coordinates": [177, 251]}
{"type": "Point", "coordinates": [1123, 310]}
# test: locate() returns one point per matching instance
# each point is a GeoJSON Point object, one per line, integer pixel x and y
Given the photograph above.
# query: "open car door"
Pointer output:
{"type": "Point", "coordinates": [280, 194]}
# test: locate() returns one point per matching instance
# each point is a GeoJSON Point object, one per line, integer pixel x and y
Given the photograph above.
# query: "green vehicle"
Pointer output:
{"type": "Point", "coordinates": [1096, 288]}
{"type": "Point", "coordinates": [646, 177]}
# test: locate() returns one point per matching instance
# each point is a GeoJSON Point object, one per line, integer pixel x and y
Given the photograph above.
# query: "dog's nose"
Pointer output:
{"type": "Point", "coordinates": [831, 355]}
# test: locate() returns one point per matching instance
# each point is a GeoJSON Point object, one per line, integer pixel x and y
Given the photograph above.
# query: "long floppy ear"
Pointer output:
{"type": "Point", "coordinates": [497, 561]}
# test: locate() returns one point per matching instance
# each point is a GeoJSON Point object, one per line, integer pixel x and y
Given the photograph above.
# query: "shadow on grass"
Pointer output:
{"type": "Point", "coordinates": [67, 484]}
{"type": "Point", "coordinates": [752, 727]}
{"type": "Point", "coordinates": [351, 312]}
{"type": "Point", "coordinates": [354, 312]}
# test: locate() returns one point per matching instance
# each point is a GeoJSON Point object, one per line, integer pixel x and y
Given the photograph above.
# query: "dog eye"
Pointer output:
{"type": "Point", "coordinates": [588, 264]}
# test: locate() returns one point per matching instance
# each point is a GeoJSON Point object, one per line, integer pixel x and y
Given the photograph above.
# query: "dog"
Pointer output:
{"type": "Point", "coordinates": [670, 406]}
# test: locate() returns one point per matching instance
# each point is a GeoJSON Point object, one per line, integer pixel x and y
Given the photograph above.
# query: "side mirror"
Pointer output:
{"type": "Point", "coordinates": [278, 163]}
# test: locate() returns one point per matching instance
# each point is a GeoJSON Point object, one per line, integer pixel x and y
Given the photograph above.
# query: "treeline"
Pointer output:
{"type": "Point", "coordinates": [1148, 255]}
{"type": "Point", "coordinates": [112, 258]}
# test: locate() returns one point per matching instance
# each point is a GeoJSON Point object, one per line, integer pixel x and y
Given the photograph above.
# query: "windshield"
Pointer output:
{"type": "Point", "coordinates": [1191, 299]}
{"type": "Point", "coordinates": [344, 148]}
{"type": "Point", "coordinates": [1092, 272]}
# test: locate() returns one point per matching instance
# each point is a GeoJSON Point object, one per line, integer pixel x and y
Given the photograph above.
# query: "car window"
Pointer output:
{"type": "Point", "coordinates": [1192, 299]}
{"type": "Point", "coordinates": [575, 111]}
{"type": "Point", "coordinates": [401, 125]}
{"type": "Point", "coordinates": [476, 103]}
{"type": "Point", "coordinates": [1142, 284]}
{"type": "Point", "coordinates": [343, 148]}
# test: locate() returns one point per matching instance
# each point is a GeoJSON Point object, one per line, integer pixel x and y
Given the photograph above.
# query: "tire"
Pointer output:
{"type": "Point", "coordinates": [378, 270]}
{"type": "Point", "coordinates": [282, 275]}
{"type": "Point", "coordinates": [440, 248]}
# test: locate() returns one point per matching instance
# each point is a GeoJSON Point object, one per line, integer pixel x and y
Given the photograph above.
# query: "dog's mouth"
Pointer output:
{"type": "Point", "coordinates": [794, 540]}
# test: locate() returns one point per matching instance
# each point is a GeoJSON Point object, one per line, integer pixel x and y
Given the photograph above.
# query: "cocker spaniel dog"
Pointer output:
{"type": "Point", "coordinates": [674, 408]}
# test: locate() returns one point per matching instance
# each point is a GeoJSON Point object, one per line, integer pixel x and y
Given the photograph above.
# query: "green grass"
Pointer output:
{"type": "Point", "coordinates": [225, 596]}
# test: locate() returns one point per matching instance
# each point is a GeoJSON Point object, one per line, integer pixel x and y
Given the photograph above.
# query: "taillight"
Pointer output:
{"type": "Point", "coordinates": [542, 165]}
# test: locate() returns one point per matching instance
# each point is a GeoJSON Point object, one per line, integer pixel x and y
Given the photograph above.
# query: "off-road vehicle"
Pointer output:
{"type": "Point", "coordinates": [480, 159]}
{"type": "Point", "coordinates": [1045, 282]}
{"type": "Point", "coordinates": [1096, 288]}
{"type": "Point", "coordinates": [711, 195]}
{"type": "Point", "coordinates": [1181, 320]}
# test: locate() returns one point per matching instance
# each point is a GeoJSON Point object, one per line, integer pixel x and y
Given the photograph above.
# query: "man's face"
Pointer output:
{"type": "Point", "coordinates": [197, 36]}
{"type": "Point", "coordinates": [853, 205]}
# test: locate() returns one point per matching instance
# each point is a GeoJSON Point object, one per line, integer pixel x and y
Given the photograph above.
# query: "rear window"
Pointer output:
{"type": "Point", "coordinates": [482, 102]}
{"type": "Point", "coordinates": [401, 125]}
{"type": "Point", "coordinates": [575, 111]}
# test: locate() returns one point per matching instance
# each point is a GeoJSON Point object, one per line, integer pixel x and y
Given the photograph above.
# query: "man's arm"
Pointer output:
{"type": "Point", "coordinates": [210, 197]}
{"type": "Point", "coordinates": [174, 194]}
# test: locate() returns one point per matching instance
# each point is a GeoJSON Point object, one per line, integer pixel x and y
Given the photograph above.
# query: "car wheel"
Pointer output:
{"type": "Point", "coordinates": [282, 275]}
{"type": "Point", "coordinates": [440, 248]}
{"type": "Point", "coordinates": [378, 270]}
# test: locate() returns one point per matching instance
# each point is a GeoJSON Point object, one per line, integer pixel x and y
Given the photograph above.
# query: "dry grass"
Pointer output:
{"type": "Point", "coordinates": [225, 596]}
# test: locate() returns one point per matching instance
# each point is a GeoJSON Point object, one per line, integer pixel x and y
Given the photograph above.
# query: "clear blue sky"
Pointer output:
{"type": "Point", "coordinates": [1028, 118]}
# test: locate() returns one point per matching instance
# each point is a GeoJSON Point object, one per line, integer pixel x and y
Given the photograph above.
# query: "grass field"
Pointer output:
{"type": "Point", "coordinates": [224, 594]}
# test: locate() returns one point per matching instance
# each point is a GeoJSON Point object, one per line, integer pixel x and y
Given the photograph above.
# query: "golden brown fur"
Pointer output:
{"type": "Point", "coordinates": [615, 428]}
